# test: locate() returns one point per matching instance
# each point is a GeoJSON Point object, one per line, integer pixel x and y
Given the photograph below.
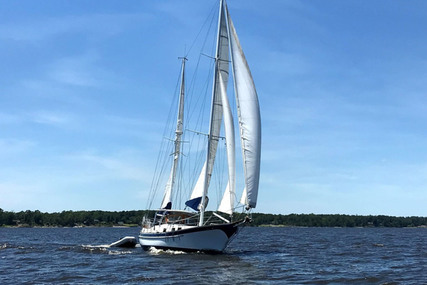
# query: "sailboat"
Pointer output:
{"type": "Point", "coordinates": [194, 228]}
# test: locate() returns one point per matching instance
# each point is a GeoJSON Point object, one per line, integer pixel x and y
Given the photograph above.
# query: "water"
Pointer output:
{"type": "Point", "coordinates": [256, 256]}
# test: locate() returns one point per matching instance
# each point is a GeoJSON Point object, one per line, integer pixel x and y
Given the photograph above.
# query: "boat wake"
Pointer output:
{"type": "Point", "coordinates": [97, 249]}
{"type": "Point", "coordinates": [85, 248]}
{"type": "Point", "coordinates": [155, 251]}
{"type": "Point", "coordinates": [94, 248]}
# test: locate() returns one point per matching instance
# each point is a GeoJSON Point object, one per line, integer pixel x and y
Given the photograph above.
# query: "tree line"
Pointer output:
{"type": "Point", "coordinates": [312, 220]}
{"type": "Point", "coordinates": [133, 218]}
{"type": "Point", "coordinates": [70, 218]}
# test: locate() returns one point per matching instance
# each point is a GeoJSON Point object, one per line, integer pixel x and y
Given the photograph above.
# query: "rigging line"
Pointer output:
{"type": "Point", "coordinates": [217, 59]}
{"type": "Point", "coordinates": [199, 122]}
{"type": "Point", "coordinates": [210, 15]}
{"type": "Point", "coordinates": [187, 164]}
{"type": "Point", "coordinates": [159, 170]}
{"type": "Point", "coordinates": [192, 82]}
{"type": "Point", "coordinates": [190, 156]}
{"type": "Point", "coordinates": [196, 160]}
{"type": "Point", "coordinates": [161, 157]}
{"type": "Point", "coordinates": [191, 113]}
{"type": "Point", "coordinates": [158, 173]}
{"type": "Point", "coordinates": [207, 35]}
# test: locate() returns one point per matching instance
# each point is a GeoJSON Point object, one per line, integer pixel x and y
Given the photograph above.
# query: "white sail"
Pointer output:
{"type": "Point", "coordinates": [249, 116]}
{"type": "Point", "coordinates": [196, 195]}
{"type": "Point", "coordinates": [227, 203]}
{"type": "Point", "coordinates": [221, 66]}
{"type": "Point", "coordinates": [198, 188]}
{"type": "Point", "coordinates": [244, 198]}
{"type": "Point", "coordinates": [167, 198]}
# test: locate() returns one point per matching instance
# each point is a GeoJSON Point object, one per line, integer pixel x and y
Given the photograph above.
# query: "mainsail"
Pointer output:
{"type": "Point", "coordinates": [221, 66]}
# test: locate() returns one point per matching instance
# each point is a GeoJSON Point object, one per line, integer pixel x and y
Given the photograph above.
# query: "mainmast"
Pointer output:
{"type": "Point", "coordinates": [167, 201]}
{"type": "Point", "coordinates": [221, 65]}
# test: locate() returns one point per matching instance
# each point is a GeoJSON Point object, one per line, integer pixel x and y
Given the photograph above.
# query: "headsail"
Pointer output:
{"type": "Point", "coordinates": [196, 195]}
{"type": "Point", "coordinates": [249, 116]}
{"type": "Point", "coordinates": [227, 203]}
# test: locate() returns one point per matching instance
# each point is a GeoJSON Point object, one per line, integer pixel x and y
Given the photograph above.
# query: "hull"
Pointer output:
{"type": "Point", "coordinates": [213, 238]}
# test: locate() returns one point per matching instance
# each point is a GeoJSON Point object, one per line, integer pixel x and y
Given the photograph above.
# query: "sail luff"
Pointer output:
{"type": "Point", "coordinates": [249, 115]}
{"type": "Point", "coordinates": [227, 203]}
{"type": "Point", "coordinates": [198, 188]}
{"type": "Point", "coordinates": [221, 65]}
{"type": "Point", "coordinates": [167, 198]}
{"type": "Point", "coordinates": [244, 198]}
{"type": "Point", "coordinates": [196, 196]}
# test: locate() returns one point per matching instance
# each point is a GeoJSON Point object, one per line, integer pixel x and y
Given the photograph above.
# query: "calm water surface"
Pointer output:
{"type": "Point", "coordinates": [256, 256]}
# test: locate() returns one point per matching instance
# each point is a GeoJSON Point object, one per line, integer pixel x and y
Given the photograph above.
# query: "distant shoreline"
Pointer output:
{"type": "Point", "coordinates": [137, 226]}
{"type": "Point", "coordinates": [72, 219]}
{"type": "Point", "coordinates": [368, 227]}
{"type": "Point", "coordinates": [67, 227]}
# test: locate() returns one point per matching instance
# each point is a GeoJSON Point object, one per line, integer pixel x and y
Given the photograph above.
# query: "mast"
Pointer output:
{"type": "Point", "coordinates": [221, 65]}
{"type": "Point", "coordinates": [167, 201]}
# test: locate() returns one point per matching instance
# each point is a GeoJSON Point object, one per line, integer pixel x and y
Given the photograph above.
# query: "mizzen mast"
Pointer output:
{"type": "Point", "coordinates": [167, 198]}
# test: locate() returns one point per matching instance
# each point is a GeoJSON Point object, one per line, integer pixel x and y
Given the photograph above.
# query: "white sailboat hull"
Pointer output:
{"type": "Point", "coordinates": [214, 238]}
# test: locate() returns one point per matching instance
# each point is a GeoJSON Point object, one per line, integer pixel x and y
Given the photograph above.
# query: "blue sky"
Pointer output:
{"type": "Point", "coordinates": [85, 87]}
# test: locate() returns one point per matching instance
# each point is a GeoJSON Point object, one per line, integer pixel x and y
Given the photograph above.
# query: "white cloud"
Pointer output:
{"type": "Point", "coordinates": [8, 119]}
{"type": "Point", "coordinates": [15, 146]}
{"type": "Point", "coordinates": [79, 70]}
{"type": "Point", "coordinates": [121, 165]}
{"type": "Point", "coordinates": [282, 64]}
{"type": "Point", "coordinates": [51, 118]}
{"type": "Point", "coordinates": [83, 180]}
{"type": "Point", "coordinates": [21, 196]}
{"type": "Point", "coordinates": [44, 28]}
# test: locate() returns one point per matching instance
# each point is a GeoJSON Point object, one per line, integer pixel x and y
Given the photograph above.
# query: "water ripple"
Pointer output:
{"type": "Point", "coordinates": [256, 256]}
